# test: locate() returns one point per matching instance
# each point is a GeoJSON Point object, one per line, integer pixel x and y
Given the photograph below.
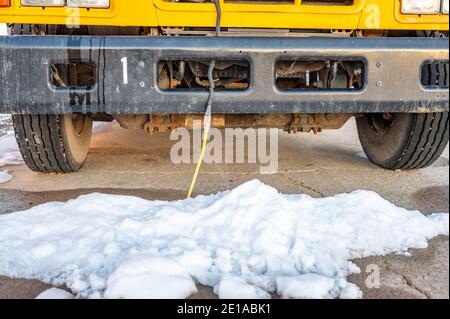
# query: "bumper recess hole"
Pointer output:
{"type": "Point", "coordinates": [324, 74]}
{"type": "Point", "coordinates": [190, 74]}
{"type": "Point", "coordinates": [73, 76]}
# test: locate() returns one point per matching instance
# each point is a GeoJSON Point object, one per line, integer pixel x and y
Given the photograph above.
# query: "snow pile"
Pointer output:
{"type": "Point", "coordinates": [246, 243]}
{"type": "Point", "coordinates": [165, 277]}
{"type": "Point", "coordinates": [9, 152]}
{"type": "Point", "coordinates": [55, 293]}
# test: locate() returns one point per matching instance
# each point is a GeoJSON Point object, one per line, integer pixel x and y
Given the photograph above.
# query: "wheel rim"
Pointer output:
{"type": "Point", "coordinates": [381, 123]}
{"type": "Point", "coordinates": [78, 124]}
{"type": "Point", "coordinates": [78, 128]}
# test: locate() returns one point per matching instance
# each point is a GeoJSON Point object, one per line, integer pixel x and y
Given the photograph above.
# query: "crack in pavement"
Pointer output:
{"type": "Point", "coordinates": [405, 279]}
{"type": "Point", "coordinates": [302, 184]}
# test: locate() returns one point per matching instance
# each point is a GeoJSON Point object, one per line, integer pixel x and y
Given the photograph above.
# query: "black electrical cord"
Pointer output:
{"type": "Point", "coordinates": [211, 86]}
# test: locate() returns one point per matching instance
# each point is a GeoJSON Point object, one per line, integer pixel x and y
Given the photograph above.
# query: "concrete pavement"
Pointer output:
{"type": "Point", "coordinates": [131, 162]}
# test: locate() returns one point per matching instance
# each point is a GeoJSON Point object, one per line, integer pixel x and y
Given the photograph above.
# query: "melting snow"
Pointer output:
{"type": "Point", "coordinates": [246, 243]}
{"type": "Point", "coordinates": [5, 177]}
{"type": "Point", "coordinates": [361, 155]}
{"type": "Point", "coordinates": [9, 152]}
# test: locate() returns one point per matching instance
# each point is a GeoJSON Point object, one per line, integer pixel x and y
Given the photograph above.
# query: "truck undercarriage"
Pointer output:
{"type": "Point", "coordinates": [155, 78]}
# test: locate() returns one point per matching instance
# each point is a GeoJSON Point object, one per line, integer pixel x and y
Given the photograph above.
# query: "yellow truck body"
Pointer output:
{"type": "Point", "coordinates": [363, 14]}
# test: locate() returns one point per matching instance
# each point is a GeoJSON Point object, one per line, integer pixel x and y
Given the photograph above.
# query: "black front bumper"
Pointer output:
{"type": "Point", "coordinates": [393, 67]}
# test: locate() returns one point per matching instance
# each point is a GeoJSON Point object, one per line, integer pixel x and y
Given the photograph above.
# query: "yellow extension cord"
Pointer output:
{"type": "Point", "coordinates": [206, 128]}
{"type": "Point", "coordinates": [207, 118]}
{"type": "Point", "coordinates": [199, 162]}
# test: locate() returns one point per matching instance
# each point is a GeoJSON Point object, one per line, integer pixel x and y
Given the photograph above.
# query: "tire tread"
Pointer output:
{"type": "Point", "coordinates": [40, 143]}
{"type": "Point", "coordinates": [427, 142]}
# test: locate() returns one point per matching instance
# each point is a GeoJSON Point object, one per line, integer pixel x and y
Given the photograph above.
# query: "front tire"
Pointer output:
{"type": "Point", "coordinates": [53, 143]}
{"type": "Point", "coordinates": [407, 140]}
{"type": "Point", "coordinates": [403, 141]}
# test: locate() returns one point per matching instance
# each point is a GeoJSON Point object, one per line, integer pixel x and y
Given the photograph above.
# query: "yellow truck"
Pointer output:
{"type": "Point", "coordinates": [297, 65]}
